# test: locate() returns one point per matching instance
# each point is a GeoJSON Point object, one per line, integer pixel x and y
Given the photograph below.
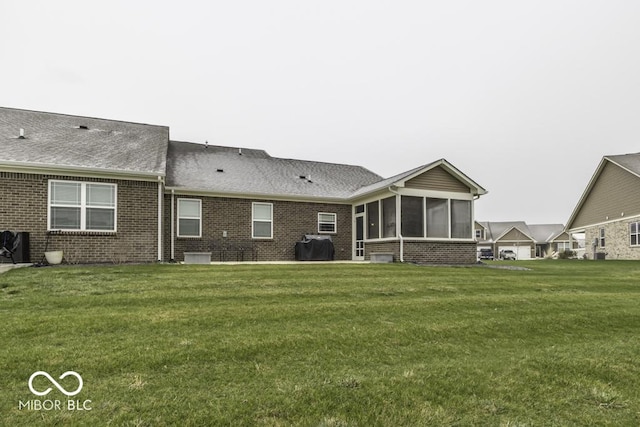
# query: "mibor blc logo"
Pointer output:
{"type": "Point", "coordinates": [55, 405]}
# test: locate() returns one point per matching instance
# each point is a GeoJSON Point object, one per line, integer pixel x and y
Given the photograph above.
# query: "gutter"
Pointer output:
{"type": "Point", "coordinates": [259, 196]}
{"type": "Point", "coordinates": [43, 169]}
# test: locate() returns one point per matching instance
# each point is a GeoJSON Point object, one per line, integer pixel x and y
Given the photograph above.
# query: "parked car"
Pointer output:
{"type": "Point", "coordinates": [485, 253]}
{"type": "Point", "coordinates": [507, 254]}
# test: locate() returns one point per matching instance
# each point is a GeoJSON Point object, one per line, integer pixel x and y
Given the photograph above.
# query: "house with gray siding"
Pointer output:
{"type": "Point", "coordinates": [608, 212]}
{"type": "Point", "coordinates": [106, 190]}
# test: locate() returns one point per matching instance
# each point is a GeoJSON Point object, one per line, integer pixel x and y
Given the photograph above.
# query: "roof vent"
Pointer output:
{"type": "Point", "coordinates": [85, 127]}
{"type": "Point", "coordinates": [206, 144]}
{"type": "Point", "coordinates": [21, 134]}
{"type": "Point", "coordinates": [307, 177]}
{"type": "Point", "coordinates": [220, 170]}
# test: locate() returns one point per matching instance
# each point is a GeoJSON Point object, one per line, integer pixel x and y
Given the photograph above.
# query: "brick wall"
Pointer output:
{"type": "Point", "coordinates": [291, 220]}
{"type": "Point", "coordinates": [24, 208]}
{"type": "Point", "coordinates": [428, 252]}
{"type": "Point", "coordinates": [617, 241]}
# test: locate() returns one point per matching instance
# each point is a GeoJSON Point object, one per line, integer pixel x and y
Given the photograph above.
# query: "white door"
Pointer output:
{"type": "Point", "coordinates": [524, 252]}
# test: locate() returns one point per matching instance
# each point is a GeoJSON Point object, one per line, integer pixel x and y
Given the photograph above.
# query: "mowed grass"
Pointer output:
{"type": "Point", "coordinates": [325, 345]}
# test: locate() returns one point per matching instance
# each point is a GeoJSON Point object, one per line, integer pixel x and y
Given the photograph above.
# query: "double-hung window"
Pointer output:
{"type": "Point", "coordinates": [327, 222]}
{"type": "Point", "coordinates": [82, 206]}
{"type": "Point", "coordinates": [189, 218]}
{"type": "Point", "coordinates": [262, 221]}
{"type": "Point", "coordinates": [634, 233]}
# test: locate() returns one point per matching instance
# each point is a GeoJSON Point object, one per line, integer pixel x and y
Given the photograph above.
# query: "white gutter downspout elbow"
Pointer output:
{"type": "Point", "coordinates": [399, 231]}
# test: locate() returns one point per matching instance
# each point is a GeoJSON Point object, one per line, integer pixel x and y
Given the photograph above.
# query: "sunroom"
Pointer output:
{"type": "Point", "coordinates": [425, 216]}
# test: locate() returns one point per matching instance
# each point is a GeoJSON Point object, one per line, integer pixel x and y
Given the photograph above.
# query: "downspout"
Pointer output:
{"type": "Point", "coordinates": [399, 229]}
{"type": "Point", "coordinates": [160, 199]}
{"type": "Point", "coordinates": [173, 229]}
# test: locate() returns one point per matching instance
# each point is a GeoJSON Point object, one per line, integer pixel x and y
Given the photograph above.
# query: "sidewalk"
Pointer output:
{"type": "Point", "coordinates": [6, 267]}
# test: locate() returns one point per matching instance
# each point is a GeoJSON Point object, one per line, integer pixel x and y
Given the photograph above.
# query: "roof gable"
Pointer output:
{"type": "Point", "coordinates": [439, 179]}
{"type": "Point", "coordinates": [74, 143]}
{"type": "Point", "coordinates": [612, 192]}
{"type": "Point", "coordinates": [417, 176]}
{"type": "Point", "coordinates": [514, 234]}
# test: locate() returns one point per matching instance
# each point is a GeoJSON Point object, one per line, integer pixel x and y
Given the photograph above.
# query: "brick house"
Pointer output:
{"type": "Point", "coordinates": [608, 213]}
{"type": "Point", "coordinates": [105, 190]}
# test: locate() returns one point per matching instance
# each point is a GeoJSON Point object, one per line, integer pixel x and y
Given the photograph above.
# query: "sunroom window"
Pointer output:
{"type": "Point", "coordinates": [437, 218]}
{"type": "Point", "coordinates": [461, 219]}
{"type": "Point", "coordinates": [412, 214]}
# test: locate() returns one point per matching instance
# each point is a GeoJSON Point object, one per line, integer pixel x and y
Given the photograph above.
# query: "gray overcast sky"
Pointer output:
{"type": "Point", "coordinates": [525, 97]}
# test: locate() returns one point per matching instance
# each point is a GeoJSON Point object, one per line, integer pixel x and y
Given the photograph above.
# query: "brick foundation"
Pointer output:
{"type": "Point", "coordinates": [427, 252]}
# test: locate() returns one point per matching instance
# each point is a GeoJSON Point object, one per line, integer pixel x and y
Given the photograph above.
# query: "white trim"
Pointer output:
{"type": "Point", "coordinates": [199, 217]}
{"type": "Point", "coordinates": [173, 226]}
{"type": "Point", "coordinates": [258, 196]}
{"type": "Point", "coordinates": [160, 215]}
{"type": "Point", "coordinates": [637, 234]}
{"type": "Point", "coordinates": [81, 172]}
{"type": "Point", "coordinates": [334, 223]}
{"type": "Point", "coordinates": [600, 224]}
{"type": "Point", "coordinates": [254, 220]}
{"type": "Point", "coordinates": [83, 206]}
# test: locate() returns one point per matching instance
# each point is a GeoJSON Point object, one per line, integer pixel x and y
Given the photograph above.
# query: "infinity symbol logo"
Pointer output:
{"type": "Point", "coordinates": [55, 383]}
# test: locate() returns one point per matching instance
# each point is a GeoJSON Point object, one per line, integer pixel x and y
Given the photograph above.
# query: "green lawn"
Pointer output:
{"type": "Point", "coordinates": [324, 345]}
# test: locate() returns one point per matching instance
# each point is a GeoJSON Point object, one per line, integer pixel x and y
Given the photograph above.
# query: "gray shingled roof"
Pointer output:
{"type": "Point", "coordinates": [545, 232]}
{"type": "Point", "coordinates": [541, 233]}
{"type": "Point", "coordinates": [627, 161]}
{"type": "Point", "coordinates": [58, 141]}
{"type": "Point", "coordinates": [215, 169]}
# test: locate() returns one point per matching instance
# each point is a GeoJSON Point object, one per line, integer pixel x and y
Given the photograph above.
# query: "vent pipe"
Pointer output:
{"type": "Point", "coordinates": [21, 133]}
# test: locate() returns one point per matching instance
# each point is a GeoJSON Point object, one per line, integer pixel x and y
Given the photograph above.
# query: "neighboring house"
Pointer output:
{"type": "Point", "coordinates": [104, 190]}
{"type": "Point", "coordinates": [526, 241]}
{"type": "Point", "coordinates": [608, 213]}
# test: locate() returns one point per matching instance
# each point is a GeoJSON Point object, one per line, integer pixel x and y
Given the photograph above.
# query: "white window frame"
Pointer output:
{"type": "Point", "coordinates": [83, 206]}
{"type": "Point", "coordinates": [199, 217]}
{"type": "Point", "coordinates": [333, 223]}
{"type": "Point", "coordinates": [254, 220]}
{"type": "Point", "coordinates": [479, 233]}
{"type": "Point", "coordinates": [601, 238]}
{"type": "Point", "coordinates": [636, 234]}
